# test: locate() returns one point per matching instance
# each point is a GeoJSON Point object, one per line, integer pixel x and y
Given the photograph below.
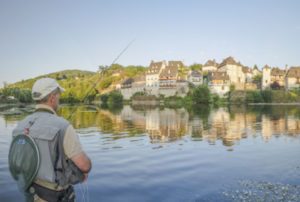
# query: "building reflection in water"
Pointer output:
{"type": "Point", "coordinates": [226, 124]}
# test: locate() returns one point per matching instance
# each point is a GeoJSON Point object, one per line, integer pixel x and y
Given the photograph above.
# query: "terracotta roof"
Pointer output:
{"type": "Point", "coordinates": [140, 78]}
{"type": "Point", "coordinates": [229, 61]}
{"type": "Point", "coordinates": [155, 67]}
{"type": "Point", "coordinates": [196, 73]}
{"type": "Point", "coordinates": [246, 69]}
{"type": "Point", "coordinates": [175, 63]}
{"type": "Point", "coordinates": [211, 63]}
{"type": "Point", "coordinates": [277, 72]}
{"type": "Point", "coordinates": [169, 71]}
{"type": "Point", "coordinates": [218, 76]}
{"type": "Point", "coordinates": [294, 72]}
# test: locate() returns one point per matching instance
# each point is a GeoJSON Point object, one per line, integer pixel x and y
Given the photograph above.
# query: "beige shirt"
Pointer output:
{"type": "Point", "coordinates": [71, 144]}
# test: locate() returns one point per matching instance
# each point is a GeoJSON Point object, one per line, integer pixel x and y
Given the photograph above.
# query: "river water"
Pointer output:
{"type": "Point", "coordinates": [201, 153]}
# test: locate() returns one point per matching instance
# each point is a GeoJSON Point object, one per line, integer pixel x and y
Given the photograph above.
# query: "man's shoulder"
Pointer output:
{"type": "Point", "coordinates": [60, 120]}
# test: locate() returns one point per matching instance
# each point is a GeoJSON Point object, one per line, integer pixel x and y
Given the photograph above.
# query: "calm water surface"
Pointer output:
{"type": "Point", "coordinates": [202, 153]}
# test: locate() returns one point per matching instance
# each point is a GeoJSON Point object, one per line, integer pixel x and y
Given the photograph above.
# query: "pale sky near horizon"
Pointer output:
{"type": "Point", "coordinates": [39, 37]}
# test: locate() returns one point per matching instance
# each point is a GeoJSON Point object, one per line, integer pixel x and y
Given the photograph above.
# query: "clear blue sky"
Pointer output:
{"type": "Point", "coordinates": [39, 37]}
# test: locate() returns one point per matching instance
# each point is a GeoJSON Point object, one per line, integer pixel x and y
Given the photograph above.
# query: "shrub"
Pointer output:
{"type": "Point", "coordinates": [104, 98]}
{"type": "Point", "coordinates": [267, 95]}
{"type": "Point", "coordinates": [115, 97]}
{"type": "Point", "coordinates": [201, 94]}
{"type": "Point", "coordinates": [254, 96]}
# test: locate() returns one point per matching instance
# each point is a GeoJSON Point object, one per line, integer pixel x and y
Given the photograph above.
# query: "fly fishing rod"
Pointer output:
{"type": "Point", "coordinates": [102, 71]}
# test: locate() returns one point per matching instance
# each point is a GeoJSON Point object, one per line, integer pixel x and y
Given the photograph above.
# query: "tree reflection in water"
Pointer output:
{"type": "Point", "coordinates": [194, 123]}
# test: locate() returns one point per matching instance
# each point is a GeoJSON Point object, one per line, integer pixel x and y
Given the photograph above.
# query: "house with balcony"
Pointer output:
{"type": "Point", "coordinates": [219, 83]}
{"type": "Point", "coordinates": [152, 77]}
{"type": "Point", "coordinates": [168, 77]}
{"type": "Point", "coordinates": [195, 77]}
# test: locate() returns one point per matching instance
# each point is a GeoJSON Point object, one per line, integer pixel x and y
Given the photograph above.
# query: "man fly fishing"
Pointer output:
{"type": "Point", "coordinates": [46, 157]}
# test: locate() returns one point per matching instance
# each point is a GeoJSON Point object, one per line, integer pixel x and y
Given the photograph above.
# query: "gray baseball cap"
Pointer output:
{"type": "Point", "coordinates": [43, 87]}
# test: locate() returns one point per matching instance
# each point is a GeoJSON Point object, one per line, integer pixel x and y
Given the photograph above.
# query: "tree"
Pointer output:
{"type": "Point", "coordinates": [104, 98]}
{"type": "Point", "coordinates": [255, 67]}
{"type": "Point", "coordinates": [257, 80]}
{"type": "Point", "coordinates": [201, 94]}
{"type": "Point", "coordinates": [267, 95]}
{"type": "Point", "coordinates": [132, 70]}
{"type": "Point", "coordinates": [196, 66]}
{"type": "Point", "coordinates": [115, 97]}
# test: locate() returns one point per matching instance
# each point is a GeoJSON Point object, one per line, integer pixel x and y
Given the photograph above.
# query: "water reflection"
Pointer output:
{"type": "Point", "coordinates": [198, 123]}
{"type": "Point", "coordinates": [163, 125]}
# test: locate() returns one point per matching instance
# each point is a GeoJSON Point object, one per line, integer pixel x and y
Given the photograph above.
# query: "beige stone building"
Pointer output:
{"type": "Point", "coordinates": [278, 75]}
{"type": "Point", "coordinates": [235, 72]}
{"type": "Point", "coordinates": [219, 83]}
{"type": "Point", "coordinates": [168, 77]}
{"type": "Point", "coordinates": [195, 77]}
{"type": "Point", "coordinates": [293, 78]}
{"type": "Point", "coordinates": [152, 76]}
{"type": "Point", "coordinates": [270, 76]}
{"type": "Point", "coordinates": [210, 66]}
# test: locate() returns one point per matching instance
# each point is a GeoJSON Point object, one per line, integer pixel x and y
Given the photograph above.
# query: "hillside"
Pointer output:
{"type": "Point", "coordinates": [77, 82]}
{"type": "Point", "coordinates": [59, 76]}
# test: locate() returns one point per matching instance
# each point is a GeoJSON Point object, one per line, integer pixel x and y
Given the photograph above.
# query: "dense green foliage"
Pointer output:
{"type": "Point", "coordinates": [196, 67]}
{"type": "Point", "coordinates": [201, 94]}
{"type": "Point", "coordinates": [254, 96]}
{"type": "Point", "coordinates": [113, 97]}
{"type": "Point", "coordinates": [265, 96]}
{"type": "Point", "coordinates": [78, 83]}
{"type": "Point", "coordinates": [21, 94]}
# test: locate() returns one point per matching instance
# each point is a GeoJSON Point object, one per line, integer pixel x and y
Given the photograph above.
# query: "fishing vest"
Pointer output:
{"type": "Point", "coordinates": [48, 132]}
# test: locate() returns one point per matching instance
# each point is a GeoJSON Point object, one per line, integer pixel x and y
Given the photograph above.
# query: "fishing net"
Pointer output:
{"type": "Point", "coordinates": [24, 161]}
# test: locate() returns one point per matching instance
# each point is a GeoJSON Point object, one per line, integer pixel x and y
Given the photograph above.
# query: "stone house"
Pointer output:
{"type": "Point", "coordinates": [219, 83]}
{"type": "Point", "coordinates": [248, 74]}
{"type": "Point", "coordinates": [127, 83]}
{"type": "Point", "coordinates": [195, 77]}
{"type": "Point", "coordinates": [177, 64]}
{"type": "Point", "coordinates": [271, 76]}
{"type": "Point", "coordinates": [171, 82]}
{"type": "Point", "coordinates": [293, 78]}
{"type": "Point", "coordinates": [168, 77]}
{"type": "Point", "coordinates": [139, 84]}
{"type": "Point", "coordinates": [278, 75]}
{"type": "Point", "coordinates": [210, 66]}
{"type": "Point", "coordinates": [152, 76]}
{"type": "Point", "coordinates": [235, 72]}
{"type": "Point", "coordinates": [132, 85]}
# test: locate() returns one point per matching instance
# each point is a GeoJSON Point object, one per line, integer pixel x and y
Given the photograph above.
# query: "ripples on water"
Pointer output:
{"type": "Point", "coordinates": [161, 154]}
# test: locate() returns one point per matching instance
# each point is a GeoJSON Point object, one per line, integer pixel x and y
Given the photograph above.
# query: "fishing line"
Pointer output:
{"type": "Point", "coordinates": [102, 72]}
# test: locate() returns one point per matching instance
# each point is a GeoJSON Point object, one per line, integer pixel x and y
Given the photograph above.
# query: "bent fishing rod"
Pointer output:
{"type": "Point", "coordinates": [102, 71]}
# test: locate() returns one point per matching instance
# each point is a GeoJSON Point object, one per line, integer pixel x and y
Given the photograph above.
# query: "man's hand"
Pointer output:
{"type": "Point", "coordinates": [85, 176]}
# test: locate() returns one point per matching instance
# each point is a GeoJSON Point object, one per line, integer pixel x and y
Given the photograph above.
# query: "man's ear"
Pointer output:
{"type": "Point", "coordinates": [52, 97]}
